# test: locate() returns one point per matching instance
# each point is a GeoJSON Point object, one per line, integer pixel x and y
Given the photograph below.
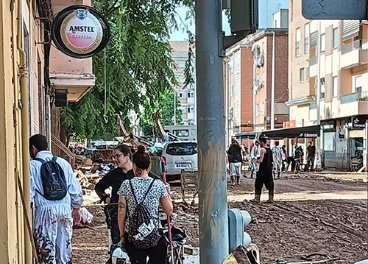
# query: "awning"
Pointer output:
{"type": "Point", "coordinates": [298, 132]}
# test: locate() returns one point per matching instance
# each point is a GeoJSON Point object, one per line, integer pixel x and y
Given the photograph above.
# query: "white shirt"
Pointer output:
{"type": "Point", "coordinates": [74, 197]}
{"type": "Point", "coordinates": [255, 153]}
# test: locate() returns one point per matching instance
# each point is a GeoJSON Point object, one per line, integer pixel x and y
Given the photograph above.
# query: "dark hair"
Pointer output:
{"type": "Point", "coordinates": [277, 143]}
{"type": "Point", "coordinates": [124, 149]}
{"type": "Point", "coordinates": [283, 146]}
{"type": "Point", "coordinates": [264, 140]}
{"type": "Point", "coordinates": [310, 142]}
{"type": "Point", "coordinates": [39, 142]}
{"type": "Point", "coordinates": [141, 159]}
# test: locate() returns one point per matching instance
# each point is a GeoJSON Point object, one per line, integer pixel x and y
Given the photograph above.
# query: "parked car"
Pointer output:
{"type": "Point", "coordinates": [180, 155]}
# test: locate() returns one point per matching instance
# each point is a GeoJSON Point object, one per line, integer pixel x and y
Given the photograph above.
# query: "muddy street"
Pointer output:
{"type": "Point", "coordinates": [312, 215]}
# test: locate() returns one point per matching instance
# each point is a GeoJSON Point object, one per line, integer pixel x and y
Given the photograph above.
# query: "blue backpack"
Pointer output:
{"type": "Point", "coordinates": [53, 180]}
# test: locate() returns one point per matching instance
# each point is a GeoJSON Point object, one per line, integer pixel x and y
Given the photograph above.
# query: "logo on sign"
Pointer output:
{"type": "Point", "coordinates": [80, 31]}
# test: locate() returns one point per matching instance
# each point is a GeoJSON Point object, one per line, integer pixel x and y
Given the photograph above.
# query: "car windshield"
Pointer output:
{"type": "Point", "coordinates": [181, 148]}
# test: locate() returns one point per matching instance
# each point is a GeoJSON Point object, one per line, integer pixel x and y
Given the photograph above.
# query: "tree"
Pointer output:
{"type": "Point", "coordinates": [137, 62]}
{"type": "Point", "coordinates": [166, 108]}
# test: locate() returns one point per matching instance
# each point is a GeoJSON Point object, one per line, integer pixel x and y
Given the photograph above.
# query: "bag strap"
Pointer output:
{"type": "Point", "coordinates": [40, 160]}
{"type": "Point", "coordinates": [149, 188]}
{"type": "Point", "coordinates": [135, 198]}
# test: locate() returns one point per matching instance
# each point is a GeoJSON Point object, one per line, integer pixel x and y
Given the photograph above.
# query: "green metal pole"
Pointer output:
{"type": "Point", "coordinates": [213, 215]}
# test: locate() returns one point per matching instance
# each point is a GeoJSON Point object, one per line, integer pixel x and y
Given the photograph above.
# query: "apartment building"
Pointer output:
{"type": "Point", "coordinates": [238, 82]}
{"type": "Point", "coordinates": [253, 86]}
{"type": "Point", "coordinates": [328, 76]}
{"type": "Point", "coordinates": [186, 95]}
{"type": "Point", "coordinates": [266, 44]}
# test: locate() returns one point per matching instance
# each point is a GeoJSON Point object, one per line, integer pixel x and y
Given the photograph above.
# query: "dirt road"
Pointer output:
{"type": "Point", "coordinates": [311, 215]}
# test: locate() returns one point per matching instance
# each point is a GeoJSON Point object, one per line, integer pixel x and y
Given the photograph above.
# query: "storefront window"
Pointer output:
{"type": "Point", "coordinates": [356, 148]}
{"type": "Point", "coordinates": [329, 141]}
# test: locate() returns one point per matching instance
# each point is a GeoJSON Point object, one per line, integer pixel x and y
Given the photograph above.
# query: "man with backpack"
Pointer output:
{"type": "Point", "coordinates": [57, 197]}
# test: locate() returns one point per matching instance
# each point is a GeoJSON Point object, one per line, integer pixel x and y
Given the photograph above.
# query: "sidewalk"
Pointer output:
{"type": "Point", "coordinates": [343, 175]}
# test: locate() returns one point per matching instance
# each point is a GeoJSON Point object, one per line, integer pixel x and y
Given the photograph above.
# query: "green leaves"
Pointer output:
{"type": "Point", "coordinates": [138, 69]}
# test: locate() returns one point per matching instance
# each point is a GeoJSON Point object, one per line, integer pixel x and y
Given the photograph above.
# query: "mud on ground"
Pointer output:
{"type": "Point", "coordinates": [291, 229]}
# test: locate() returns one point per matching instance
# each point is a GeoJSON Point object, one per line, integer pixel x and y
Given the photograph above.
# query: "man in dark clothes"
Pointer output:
{"type": "Point", "coordinates": [311, 153]}
{"type": "Point", "coordinates": [235, 158]}
{"type": "Point", "coordinates": [264, 174]}
{"type": "Point", "coordinates": [114, 179]}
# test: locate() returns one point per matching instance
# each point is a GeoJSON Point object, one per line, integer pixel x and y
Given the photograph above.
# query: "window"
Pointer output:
{"type": "Point", "coordinates": [263, 77]}
{"type": "Point", "coordinates": [335, 38]}
{"type": "Point", "coordinates": [263, 108]}
{"type": "Point", "coordinates": [257, 80]}
{"type": "Point", "coordinates": [257, 109]}
{"type": "Point", "coordinates": [181, 148]}
{"type": "Point", "coordinates": [307, 73]}
{"type": "Point", "coordinates": [306, 38]}
{"type": "Point", "coordinates": [323, 42]}
{"type": "Point", "coordinates": [329, 141]}
{"type": "Point", "coordinates": [335, 86]}
{"type": "Point", "coordinates": [190, 94]}
{"type": "Point", "coordinates": [322, 88]}
{"type": "Point", "coordinates": [358, 84]}
{"type": "Point", "coordinates": [301, 77]}
{"type": "Point", "coordinates": [181, 64]}
{"type": "Point", "coordinates": [297, 43]}
{"type": "Point", "coordinates": [190, 109]}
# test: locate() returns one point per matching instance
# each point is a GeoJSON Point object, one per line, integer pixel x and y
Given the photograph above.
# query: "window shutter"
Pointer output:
{"type": "Point", "coordinates": [350, 29]}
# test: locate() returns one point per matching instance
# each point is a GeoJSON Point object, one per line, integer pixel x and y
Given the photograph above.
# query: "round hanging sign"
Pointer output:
{"type": "Point", "coordinates": [80, 31]}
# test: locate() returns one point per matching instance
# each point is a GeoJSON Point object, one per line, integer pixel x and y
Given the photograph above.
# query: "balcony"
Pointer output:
{"type": "Point", "coordinates": [74, 75]}
{"type": "Point", "coordinates": [354, 104]}
{"type": "Point", "coordinates": [353, 55]}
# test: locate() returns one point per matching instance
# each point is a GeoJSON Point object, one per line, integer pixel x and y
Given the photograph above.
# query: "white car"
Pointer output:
{"type": "Point", "coordinates": [180, 155]}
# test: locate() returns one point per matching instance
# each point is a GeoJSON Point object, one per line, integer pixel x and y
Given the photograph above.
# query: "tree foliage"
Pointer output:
{"type": "Point", "coordinates": [138, 66]}
{"type": "Point", "coordinates": [166, 107]}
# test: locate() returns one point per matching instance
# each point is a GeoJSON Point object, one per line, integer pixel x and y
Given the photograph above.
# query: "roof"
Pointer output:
{"type": "Point", "coordinates": [297, 132]}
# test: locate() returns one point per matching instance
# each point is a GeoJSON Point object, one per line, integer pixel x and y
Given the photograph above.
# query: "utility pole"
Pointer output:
{"type": "Point", "coordinates": [174, 107]}
{"type": "Point", "coordinates": [213, 214]}
{"type": "Point", "coordinates": [273, 83]}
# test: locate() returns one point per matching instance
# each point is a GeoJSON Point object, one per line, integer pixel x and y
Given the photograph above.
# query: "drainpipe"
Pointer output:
{"type": "Point", "coordinates": [273, 83]}
{"type": "Point", "coordinates": [227, 87]}
{"type": "Point", "coordinates": [318, 92]}
{"type": "Point", "coordinates": [253, 92]}
{"type": "Point", "coordinates": [23, 75]}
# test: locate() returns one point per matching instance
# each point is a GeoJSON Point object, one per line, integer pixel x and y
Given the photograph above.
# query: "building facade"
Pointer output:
{"type": "Point", "coordinates": [185, 94]}
{"type": "Point", "coordinates": [328, 76]}
{"type": "Point", "coordinates": [32, 72]}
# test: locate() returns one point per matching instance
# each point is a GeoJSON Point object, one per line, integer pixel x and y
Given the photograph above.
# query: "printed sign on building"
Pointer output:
{"type": "Point", "coordinates": [358, 122]}
{"type": "Point", "coordinates": [80, 31]}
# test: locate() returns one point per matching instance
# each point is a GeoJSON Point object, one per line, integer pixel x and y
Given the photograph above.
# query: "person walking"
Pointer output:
{"type": "Point", "coordinates": [56, 206]}
{"type": "Point", "coordinates": [254, 155]}
{"type": "Point", "coordinates": [139, 197]}
{"type": "Point", "coordinates": [284, 159]}
{"type": "Point", "coordinates": [277, 159]}
{"type": "Point", "coordinates": [264, 174]}
{"type": "Point", "coordinates": [235, 158]}
{"type": "Point", "coordinates": [122, 155]}
{"type": "Point", "coordinates": [311, 153]}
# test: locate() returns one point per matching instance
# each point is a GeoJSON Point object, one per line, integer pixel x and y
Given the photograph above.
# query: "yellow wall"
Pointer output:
{"type": "Point", "coordinates": [13, 240]}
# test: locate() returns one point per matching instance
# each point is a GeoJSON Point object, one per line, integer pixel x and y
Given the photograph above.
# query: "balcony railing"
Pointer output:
{"type": "Point", "coordinates": [313, 61]}
{"type": "Point", "coordinates": [349, 98]}
{"type": "Point", "coordinates": [363, 96]}
{"type": "Point", "coordinates": [357, 44]}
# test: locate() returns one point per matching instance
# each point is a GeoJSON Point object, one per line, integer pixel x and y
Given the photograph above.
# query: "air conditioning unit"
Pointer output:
{"type": "Point", "coordinates": [267, 119]}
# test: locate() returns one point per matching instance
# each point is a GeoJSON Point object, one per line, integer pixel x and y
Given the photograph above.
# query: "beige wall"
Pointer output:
{"type": "Point", "coordinates": [296, 20]}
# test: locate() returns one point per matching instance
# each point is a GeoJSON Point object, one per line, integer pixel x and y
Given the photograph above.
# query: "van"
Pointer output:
{"type": "Point", "coordinates": [184, 132]}
{"type": "Point", "coordinates": [180, 155]}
